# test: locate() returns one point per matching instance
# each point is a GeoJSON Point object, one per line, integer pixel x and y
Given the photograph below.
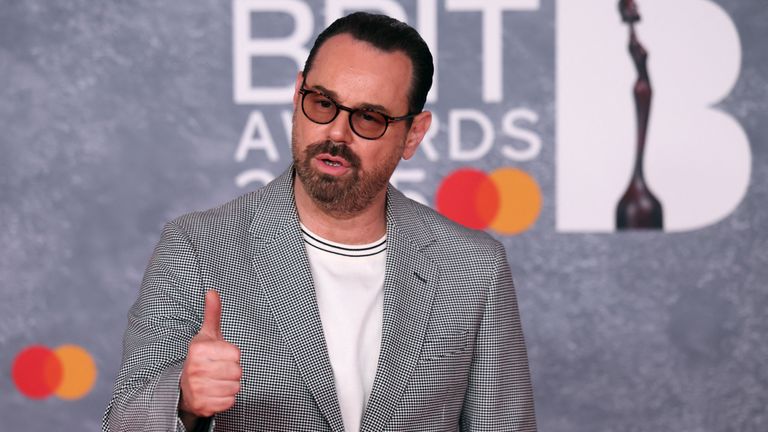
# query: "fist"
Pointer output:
{"type": "Point", "coordinates": [211, 375]}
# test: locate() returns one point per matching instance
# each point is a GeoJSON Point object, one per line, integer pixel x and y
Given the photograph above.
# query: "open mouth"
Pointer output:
{"type": "Point", "coordinates": [333, 161]}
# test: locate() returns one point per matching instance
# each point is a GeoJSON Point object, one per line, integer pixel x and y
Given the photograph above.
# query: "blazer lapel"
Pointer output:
{"type": "Point", "coordinates": [280, 260]}
{"type": "Point", "coordinates": [409, 286]}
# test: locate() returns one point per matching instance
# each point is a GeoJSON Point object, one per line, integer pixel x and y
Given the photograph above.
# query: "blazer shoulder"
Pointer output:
{"type": "Point", "coordinates": [234, 215]}
{"type": "Point", "coordinates": [234, 218]}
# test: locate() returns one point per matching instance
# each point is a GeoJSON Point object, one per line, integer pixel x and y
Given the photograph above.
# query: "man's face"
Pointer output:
{"type": "Point", "coordinates": [342, 172]}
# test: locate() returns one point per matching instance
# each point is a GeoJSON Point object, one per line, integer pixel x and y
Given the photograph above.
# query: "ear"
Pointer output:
{"type": "Point", "coordinates": [296, 88]}
{"type": "Point", "coordinates": [419, 128]}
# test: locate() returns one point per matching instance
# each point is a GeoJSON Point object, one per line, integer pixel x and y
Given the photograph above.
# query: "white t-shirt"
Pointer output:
{"type": "Point", "coordinates": [349, 285]}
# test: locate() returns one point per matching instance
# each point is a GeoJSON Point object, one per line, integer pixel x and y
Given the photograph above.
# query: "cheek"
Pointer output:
{"type": "Point", "coordinates": [302, 134]}
{"type": "Point", "coordinates": [384, 154]}
{"type": "Point", "coordinates": [295, 136]}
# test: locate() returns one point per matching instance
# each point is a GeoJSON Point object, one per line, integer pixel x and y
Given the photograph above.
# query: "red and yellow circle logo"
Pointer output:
{"type": "Point", "coordinates": [507, 200]}
{"type": "Point", "coordinates": [68, 372]}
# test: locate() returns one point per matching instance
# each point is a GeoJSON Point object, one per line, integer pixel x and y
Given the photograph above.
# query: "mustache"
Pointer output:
{"type": "Point", "coordinates": [333, 149]}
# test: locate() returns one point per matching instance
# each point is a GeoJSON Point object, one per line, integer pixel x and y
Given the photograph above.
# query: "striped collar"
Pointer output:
{"type": "Point", "coordinates": [329, 246]}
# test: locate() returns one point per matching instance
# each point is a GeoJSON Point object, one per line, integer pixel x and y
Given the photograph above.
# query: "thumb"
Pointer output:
{"type": "Point", "coordinates": [212, 316]}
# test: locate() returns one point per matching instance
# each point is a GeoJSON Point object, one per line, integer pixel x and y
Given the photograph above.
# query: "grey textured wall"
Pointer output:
{"type": "Point", "coordinates": [118, 116]}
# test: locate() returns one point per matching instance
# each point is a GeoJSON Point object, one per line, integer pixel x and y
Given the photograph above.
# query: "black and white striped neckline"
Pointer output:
{"type": "Point", "coordinates": [364, 250]}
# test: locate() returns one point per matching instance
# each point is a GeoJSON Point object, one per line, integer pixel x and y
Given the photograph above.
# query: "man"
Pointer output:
{"type": "Point", "coordinates": [327, 301]}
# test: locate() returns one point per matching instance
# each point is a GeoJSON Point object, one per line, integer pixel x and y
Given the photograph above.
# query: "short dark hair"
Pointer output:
{"type": "Point", "coordinates": [388, 35]}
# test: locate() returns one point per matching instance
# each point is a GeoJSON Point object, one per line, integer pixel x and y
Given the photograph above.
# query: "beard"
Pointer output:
{"type": "Point", "coordinates": [342, 196]}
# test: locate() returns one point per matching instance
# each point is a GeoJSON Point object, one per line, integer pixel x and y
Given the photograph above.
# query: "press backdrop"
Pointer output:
{"type": "Point", "coordinates": [118, 116]}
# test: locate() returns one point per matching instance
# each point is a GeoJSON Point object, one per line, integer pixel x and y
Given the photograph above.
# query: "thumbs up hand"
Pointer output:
{"type": "Point", "coordinates": [210, 378]}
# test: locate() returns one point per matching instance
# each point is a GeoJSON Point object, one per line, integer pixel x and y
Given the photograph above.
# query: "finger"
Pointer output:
{"type": "Point", "coordinates": [219, 404]}
{"type": "Point", "coordinates": [216, 388]}
{"type": "Point", "coordinates": [213, 350]}
{"type": "Point", "coordinates": [223, 370]}
{"type": "Point", "coordinates": [212, 371]}
{"type": "Point", "coordinates": [208, 406]}
{"type": "Point", "coordinates": [212, 316]}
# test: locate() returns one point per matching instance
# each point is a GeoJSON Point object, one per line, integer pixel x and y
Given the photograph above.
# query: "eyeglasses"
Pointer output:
{"type": "Point", "coordinates": [366, 123]}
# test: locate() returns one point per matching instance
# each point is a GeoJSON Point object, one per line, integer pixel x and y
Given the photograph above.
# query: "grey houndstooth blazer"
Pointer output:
{"type": "Point", "coordinates": [452, 353]}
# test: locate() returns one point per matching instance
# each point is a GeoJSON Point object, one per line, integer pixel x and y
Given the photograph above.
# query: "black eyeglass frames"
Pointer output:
{"type": "Point", "coordinates": [366, 123]}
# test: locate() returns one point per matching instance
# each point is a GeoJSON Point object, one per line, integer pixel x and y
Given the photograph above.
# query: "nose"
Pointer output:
{"type": "Point", "coordinates": [339, 130]}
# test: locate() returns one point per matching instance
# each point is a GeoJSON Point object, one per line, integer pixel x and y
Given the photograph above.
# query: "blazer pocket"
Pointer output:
{"type": "Point", "coordinates": [444, 345]}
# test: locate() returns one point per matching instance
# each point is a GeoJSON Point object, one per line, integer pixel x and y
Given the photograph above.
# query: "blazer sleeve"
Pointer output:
{"type": "Point", "coordinates": [161, 323]}
{"type": "Point", "coordinates": [499, 395]}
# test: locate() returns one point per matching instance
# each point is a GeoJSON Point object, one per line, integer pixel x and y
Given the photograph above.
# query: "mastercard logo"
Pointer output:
{"type": "Point", "coordinates": [507, 200]}
{"type": "Point", "coordinates": [67, 372]}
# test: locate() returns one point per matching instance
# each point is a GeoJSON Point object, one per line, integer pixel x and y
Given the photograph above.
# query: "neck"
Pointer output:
{"type": "Point", "coordinates": [363, 227]}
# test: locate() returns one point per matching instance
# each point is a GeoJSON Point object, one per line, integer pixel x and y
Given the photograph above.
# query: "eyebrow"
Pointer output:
{"type": "Point", "coordinates": [365, 106]}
